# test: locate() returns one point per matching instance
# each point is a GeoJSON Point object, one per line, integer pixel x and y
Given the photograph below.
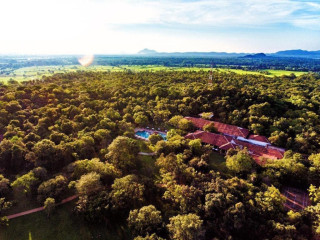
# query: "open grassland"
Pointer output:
{"type": "Point", "coordinates": [284, 72]}
{"type": "Point", "coordinates": [267, 72]}
{"type": "Point", "coordinates": [32, 73]}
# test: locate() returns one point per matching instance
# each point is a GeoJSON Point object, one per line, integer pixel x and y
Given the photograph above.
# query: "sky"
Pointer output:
{"type": "Point", "coordinates": [127, 26]}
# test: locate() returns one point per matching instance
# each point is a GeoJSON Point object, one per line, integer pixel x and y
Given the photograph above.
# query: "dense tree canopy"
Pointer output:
{"type": "Point", "coordinates": [74, 134]}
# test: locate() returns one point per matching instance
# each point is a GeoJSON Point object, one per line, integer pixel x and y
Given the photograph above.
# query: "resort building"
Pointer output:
{"type": "Point", "coordinates": [232, 137]}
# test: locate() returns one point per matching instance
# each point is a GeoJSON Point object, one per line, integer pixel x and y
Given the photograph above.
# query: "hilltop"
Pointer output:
{"type": "Point", "coordinates": [257, 55]}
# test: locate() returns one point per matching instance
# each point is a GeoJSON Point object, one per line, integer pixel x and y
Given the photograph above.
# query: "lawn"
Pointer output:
{"type": "Point", "coordinates": [147, 165]}
{"type": "Point", "coordinates": [21, 203]}
{"type": "Point", "coordinates": [217, 162]}
{"type": "Point", "coordinates": [62, 225]}
{"type": "Point", "coordinates": [144, 146]}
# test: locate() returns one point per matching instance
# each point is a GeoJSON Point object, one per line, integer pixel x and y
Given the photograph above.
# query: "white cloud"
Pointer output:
{"type": "Point", "coordinates": [235, 12]}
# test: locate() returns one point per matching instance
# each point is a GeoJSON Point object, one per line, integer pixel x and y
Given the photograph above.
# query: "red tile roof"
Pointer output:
{"type": "Point", "coordinates": [221, 127]}
{"type": "Point", "coordinates": [258, 153]}
{"type": "Point", "coordinates": [214, 139]}
{"type": "Point", "coordinates": [258, 138]}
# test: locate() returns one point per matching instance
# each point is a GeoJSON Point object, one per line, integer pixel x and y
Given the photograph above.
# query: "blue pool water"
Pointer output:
{"type": "Point", "coordinates": [146, 134]}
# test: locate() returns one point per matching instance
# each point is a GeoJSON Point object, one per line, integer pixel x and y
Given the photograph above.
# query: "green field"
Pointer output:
{"type": "Point", "coordinates": [270, 73]}
{"type": "Point", "coordinates": [63, 224]}
{"type": "Point", "coordinates": [31, 73]}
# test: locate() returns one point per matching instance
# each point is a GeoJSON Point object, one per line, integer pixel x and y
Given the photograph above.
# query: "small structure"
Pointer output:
{"type": "Point", "coordinates": [210, 76]}
{"type": "Point", "coordinates": [206, 115]}
{"type": "Point", "coordinates": [296, 199]}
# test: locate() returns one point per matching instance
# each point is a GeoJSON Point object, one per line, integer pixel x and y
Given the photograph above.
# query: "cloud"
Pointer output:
{"type": "Point", "coordinates": [225, 13]}
{"type": "Point", "coordinates": [110, 26]}
{"type": "Point", "coordinates": [217, 13]}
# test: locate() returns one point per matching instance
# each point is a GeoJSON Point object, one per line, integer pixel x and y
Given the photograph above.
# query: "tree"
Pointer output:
{"type": "Point", "coordinates": [186, 227]}
{"type": "Point", "coordinates": [314, 193]}
{"type": "Point", "coordinates": [154, 138]}
{"type": "Point", "coordinates": [145, 221]}
{"type": "Point", "coordinates": [127, 192]}
{"type": "Point", "coordinates": [88, 183]}
{"type": "Point", "coordinates": [215, 204]}
{"type": "Point", "coordinates": [12, 154]}
{"type": "Point", "coordinates": [67, 127]}
{"type": "Point", "coordinates": [314, 168]}
{"type": "Point", "coordinates": [85, 147]}
{"type": "Point", "coordinates": [141, 119]}
{"type": "Point", "coordinates": [195, 145]}
{"type": "Point", "coordinates": [47, 155]}
{"type": "Point", "coordinates": [185, 125]}
{"type": "Point", "coordinates": [4, 185]}
{"type": "Point", "coordinates": [102, 138]}
{"type": "Point", "coordinates": [240, 162]}
{"type": "Point", "coordinates": [26, 182]}
{"type": "Point", "coordinates": [149, 237]}
{"type": "Point", "coordinates": [13, 107]}
{"type": "Point", "coordinates": [210, 127]}
{"type": "Point", "coordinates": [123, 152]}
{"type": "Point", "coordinates": [40, 173]}
{"type": "Point", "coordinates": [314, 214]}
{"type": "Point", "coordinates": [49, 206]}
{"type": "Point", "coordinates": [270, 200]}
{"type": "Point", "coordinates": [169, 163]}
{"type": "Point", "coordinates": [187, 198]}
{"type": "Point", "coordinates": [108, 172]}
{"type": "Point", "coordinates": [95, 207]}
{"type": "Point", "coordinates": [53, 188]}
{"type": "Point", "coordinates": [289, 169]}
{"type": "Point", "coordinates": [207, 115]}
{"type": "Point", "coordinates": [174, 121]}
{"type": "Point", "coordinates": [260, 109]}
{"type": "Point", "coordinates": [4, 205]}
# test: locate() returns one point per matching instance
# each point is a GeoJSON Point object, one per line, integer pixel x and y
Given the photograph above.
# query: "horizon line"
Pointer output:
{"type": "Point", "coordinates": [137, 53]}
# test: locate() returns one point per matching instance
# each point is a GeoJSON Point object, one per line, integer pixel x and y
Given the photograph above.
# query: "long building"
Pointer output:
{"type": "Point", "coordinates": [232, 137]}
{"type": "Point", "coordinates": [221, 127]}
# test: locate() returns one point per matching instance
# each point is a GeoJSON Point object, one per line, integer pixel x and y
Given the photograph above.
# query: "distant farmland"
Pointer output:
{"type": "Point", "coordinates": [32, 73]}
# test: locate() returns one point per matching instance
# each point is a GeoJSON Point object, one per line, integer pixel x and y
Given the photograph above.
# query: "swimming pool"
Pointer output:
{"type": "Point", "coordinates": [145, 134]}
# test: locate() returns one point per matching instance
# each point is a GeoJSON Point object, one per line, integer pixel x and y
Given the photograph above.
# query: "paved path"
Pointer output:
{"type": "Point", "coordinates": [147, 154]}
{"type": "Point", "coordinates": [40, 208]}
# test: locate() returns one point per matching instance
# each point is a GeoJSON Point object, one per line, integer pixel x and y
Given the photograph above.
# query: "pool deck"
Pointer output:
{"type": "Point", "coordinates": [151, 131]}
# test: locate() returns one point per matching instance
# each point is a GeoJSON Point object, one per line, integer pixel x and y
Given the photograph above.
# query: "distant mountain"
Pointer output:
{"type": "Point", "coordinates": [147, 51]}
{"type": "Point", "coordinates": [286, 53]}
{"type": "Point", "coordinates": [206, 54]}
{"type": "Point", "coordinates": [257, 55]}
{"type": "Point", "coordinates": [297, 53]}
{"type": "Point", "coordinates": [150, 52]}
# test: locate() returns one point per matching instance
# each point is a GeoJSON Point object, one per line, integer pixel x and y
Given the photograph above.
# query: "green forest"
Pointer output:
{"type": "Point", "coordinates": [73, 134]}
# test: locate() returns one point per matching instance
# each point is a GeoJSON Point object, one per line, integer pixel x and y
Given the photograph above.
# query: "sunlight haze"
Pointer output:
{"type": "Point", "coordinates": [116, 27]}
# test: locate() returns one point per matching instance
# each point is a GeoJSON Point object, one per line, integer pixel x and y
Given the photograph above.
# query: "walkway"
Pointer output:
{"type": "Point", "coordinates": [147, 154]}
{"type": "Point", "coordinates": [40, 208]}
